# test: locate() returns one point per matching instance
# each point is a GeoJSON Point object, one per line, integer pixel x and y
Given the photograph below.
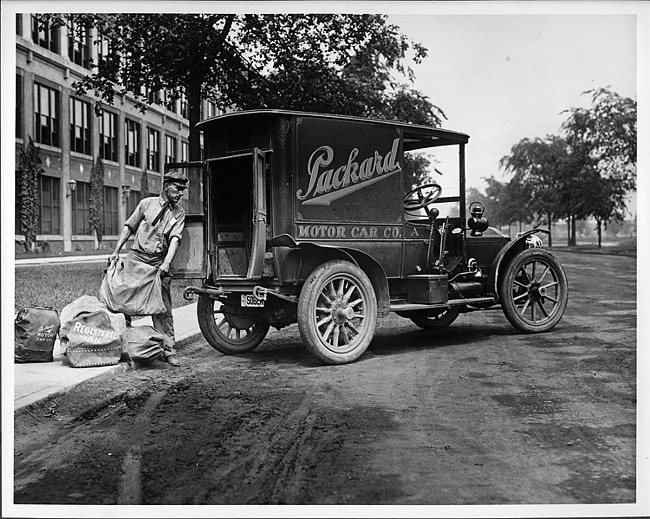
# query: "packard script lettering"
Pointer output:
{"type": "Point", "coordinates": [326, 185]}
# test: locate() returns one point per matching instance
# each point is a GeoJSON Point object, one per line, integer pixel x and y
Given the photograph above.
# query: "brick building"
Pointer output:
{"type": "Point", "coordinates": [70, 137]}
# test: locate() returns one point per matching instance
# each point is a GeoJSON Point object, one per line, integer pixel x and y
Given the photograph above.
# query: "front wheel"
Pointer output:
{"type": "Point", "coordinates": [227, 332]}
{"type": "Point", "coordinates": [534, 291]}
{"type": "Point", "coordinates": [337, 312]}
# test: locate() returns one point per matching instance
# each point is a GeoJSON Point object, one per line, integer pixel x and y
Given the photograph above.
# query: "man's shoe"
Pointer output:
{"type": "Point", "coordinates": [172, 361]}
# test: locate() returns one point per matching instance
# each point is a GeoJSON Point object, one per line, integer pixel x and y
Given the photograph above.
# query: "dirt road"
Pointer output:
{"type": "Point", "coordinates": [473, 414]}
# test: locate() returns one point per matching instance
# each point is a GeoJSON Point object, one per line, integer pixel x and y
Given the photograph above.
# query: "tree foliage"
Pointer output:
{"type": "Point", "coordinates": [603, 142]}
{"type": "Point", "coordinates": [332, 63]}
{"type": "Point", "coordinates": [502, 202]}
{"type": "Point", "coordinates": [587, 171]}
{"type": "Point", "coordinates": [29, 172]}
{"type": "Point", "coordinates": [607, 134]}
{"type": "Point", "coordinates": [97, 199]}
{"type": "Point", "coordinates": [539, 170]}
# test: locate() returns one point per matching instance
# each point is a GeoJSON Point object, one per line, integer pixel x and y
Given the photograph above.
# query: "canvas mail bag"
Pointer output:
{"type": "Point", "coordinates": [91, 340]}
{"type": "Point", "coordinates": [133, 288]}
{"type": "Point", "coordinates": [35, 331]}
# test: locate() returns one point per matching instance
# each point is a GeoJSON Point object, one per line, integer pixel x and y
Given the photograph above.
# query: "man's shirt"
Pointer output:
{"type": "Point", "coordinates": [154, 239]}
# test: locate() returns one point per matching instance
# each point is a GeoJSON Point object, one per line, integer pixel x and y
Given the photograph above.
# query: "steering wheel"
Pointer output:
{"type": "Point", "coordinates": [422, 197]}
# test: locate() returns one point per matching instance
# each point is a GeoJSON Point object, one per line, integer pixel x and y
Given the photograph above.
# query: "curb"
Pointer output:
{"type": "Point", "coordinates": [109, 370]}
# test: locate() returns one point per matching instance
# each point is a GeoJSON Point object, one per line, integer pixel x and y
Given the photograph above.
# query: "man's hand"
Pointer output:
{"type": "Point", "coordinates": [113, 258]}
{"type": "Point", "coordinates": [164, 268]}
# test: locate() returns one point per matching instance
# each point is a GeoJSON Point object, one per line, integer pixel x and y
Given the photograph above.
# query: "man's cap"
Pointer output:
{"type": "Point", "coordinates": [175, 176]}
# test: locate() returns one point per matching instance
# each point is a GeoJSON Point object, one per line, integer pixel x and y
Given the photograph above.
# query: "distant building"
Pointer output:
{"type": "Point", "coordinates": [70, 137]}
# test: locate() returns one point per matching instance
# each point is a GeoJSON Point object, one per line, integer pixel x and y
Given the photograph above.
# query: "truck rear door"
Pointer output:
{"type": "Point", "coordinates": [191, 259]}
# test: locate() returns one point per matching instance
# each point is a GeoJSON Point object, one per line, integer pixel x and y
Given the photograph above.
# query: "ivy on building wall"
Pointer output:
{"type": "Point", "coordinates": [97, 201]}
{"type": "Point", "coordinates": [29, 171]}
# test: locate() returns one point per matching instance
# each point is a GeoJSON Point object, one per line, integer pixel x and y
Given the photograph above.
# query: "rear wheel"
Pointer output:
{"type": "Point", "coordinates": [534, 291]}
{"type": "Point", "coordinates": [337, 312]}
{"type": "Point", "coordinates": [226, 331]}
{"type": "Point", "coordinates": [441, 319]}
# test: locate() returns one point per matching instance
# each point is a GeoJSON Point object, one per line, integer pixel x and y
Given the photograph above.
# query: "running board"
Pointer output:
{"type": "Point", "coordinates": [406, 307]}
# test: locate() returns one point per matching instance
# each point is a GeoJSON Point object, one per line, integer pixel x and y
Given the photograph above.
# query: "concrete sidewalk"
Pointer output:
{"type": "Point", "coordinates": [30, 262]}
{"type": "Point", "coordinates": [36, 381]}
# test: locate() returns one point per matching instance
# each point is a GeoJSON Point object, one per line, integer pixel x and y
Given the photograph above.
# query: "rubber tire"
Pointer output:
{"type": "Point", "coordinates": [220, 341]}
{"type": "Point", "coordinates": [312, 308]}
{"type": "Point", "coordinates": [435, 322]}
{"type": "Point", "coordinates": [508, 289]}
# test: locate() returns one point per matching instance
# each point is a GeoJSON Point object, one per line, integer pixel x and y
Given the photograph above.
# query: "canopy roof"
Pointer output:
{"type": "Point", "coordinates": [414, 136]}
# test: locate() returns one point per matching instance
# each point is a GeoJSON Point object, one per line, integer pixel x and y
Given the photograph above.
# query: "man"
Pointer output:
{"type": "Point", "coordinates": [158, 223]}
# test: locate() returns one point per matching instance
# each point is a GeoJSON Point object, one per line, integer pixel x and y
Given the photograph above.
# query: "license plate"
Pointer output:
{"type": "Point", "coordinates": [249, 300]}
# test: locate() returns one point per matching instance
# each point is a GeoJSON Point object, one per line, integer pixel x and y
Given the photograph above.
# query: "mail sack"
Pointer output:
{"type": "Point", "coordinates": [87, 305]}
{"type": "Point", "coordinates": [132, 287]}
{"type": "Point", "coordinates": [91, 340]}
{"type": "Point", "coordinates": [144, 343]}
{"type": "Point", "coordinates": [35, 331]}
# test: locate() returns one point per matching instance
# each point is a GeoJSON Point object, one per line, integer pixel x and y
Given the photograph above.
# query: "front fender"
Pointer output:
{"type": "Point", "coordinates": [509, 251]}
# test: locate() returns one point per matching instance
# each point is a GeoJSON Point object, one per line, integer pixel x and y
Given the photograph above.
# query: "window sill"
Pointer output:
{"type": "Point", "coordinates": [80, 155]}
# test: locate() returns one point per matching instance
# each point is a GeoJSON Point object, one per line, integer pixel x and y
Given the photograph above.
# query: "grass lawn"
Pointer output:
{"type": "Point", "coordinates": [59, 285]}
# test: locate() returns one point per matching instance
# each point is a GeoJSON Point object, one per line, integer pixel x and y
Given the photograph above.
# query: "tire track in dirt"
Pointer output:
{"type": "Point", "coordinates": [274, 474]}
{"type": "Point", "coordinates": [130, 485]}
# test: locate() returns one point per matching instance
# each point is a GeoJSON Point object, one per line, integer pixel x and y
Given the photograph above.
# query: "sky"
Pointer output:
{"type": "Point", "coordinates": [501, 78]}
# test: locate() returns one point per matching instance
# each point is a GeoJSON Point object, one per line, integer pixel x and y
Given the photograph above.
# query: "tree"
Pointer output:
{"type": "Point", "coordinates": [507, 203]}
{"type": "Point", "coordinates": [29, 172]}
{"type": "Point", "coordinates": [539, 168]}
{"type": "Point", "coordinates": [334, 63]}
{"type": "Point", "coordinates": [97, 201]}
{"type": "Point", "coordinates": [603, 140]}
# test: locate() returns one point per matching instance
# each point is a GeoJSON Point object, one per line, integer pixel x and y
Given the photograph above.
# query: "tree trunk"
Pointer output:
{"type": "Point", "coordinates": [550, 231]}
{"type": "Point", "coordinates": [194, 100]}
{"type": "Point", "coordinates": [573, 231]}
{"type": "Point", "coordinates": [600, 232]}
{"type": "Point", "coordinates": [568, 231]}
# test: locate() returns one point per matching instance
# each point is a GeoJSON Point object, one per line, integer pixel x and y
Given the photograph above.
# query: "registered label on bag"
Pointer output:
{"type": "Point", "coordinates": [249, 300]}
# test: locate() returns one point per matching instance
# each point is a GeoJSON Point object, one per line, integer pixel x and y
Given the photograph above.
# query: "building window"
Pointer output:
{"type": "Point", "coordinates": [105, 58]}
{"type": "Point", "coordinates": [19, 106]}
{"type": "Point", "coordinates": [50, 205]}
{"type": "Point", "coordinates": [185, 108]}
{"type": "Point", "coordinates": [110, 211]}
{"type": "Point", "coordinates": [212, 109]}
{"type": "Point", "coordinates": [132, 142]}
{"type": "Point", "coordinates": [132, 202]}
{"type": "Point", "coordinates": [79, 45]}
{"type": "Point", "coordinates": [185, 151]}
{"type": "Point", "coordinates": [170, 149]}
{"type": "Point", "coordinates": [19, 24]}
{"type": "Point", "coordinates": [81, 209]}
{"type": "Point", "coordinates": [80, 126]}
{"type": "Point", "coordinates": [45, 36]}
{"type": "Point", "coordinates": [153, 160]}
{"type": "Point", "coordinates": [46, 115]}
{"type": "Point", "coordinates": [108, 136]}
{"type": "Point", "coordinates": [153, 96]}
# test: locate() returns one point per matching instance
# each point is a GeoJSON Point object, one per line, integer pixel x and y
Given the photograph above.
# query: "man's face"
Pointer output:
{"type": "Point", "coordinates": [175, 192]}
